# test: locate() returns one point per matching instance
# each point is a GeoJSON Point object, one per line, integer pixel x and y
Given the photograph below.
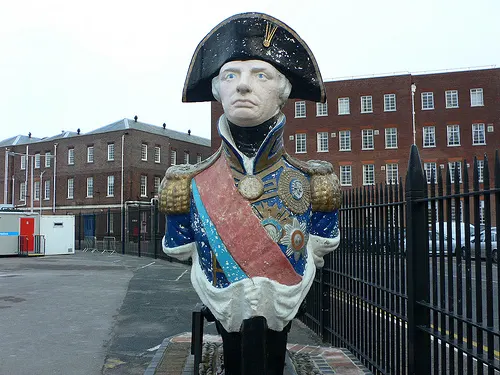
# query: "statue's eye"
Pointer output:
{"type": "Point", "coordinates": [230, 76]}
{"type": "Point", "coordinates": [261, 76]}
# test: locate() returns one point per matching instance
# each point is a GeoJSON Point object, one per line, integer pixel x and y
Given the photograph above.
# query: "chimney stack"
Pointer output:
{"type": "Point", "coordinates": [189, 131]}
{"type": "Point", "coordinates": [164, 125]}
{"type": "Point", "coordinates": [135, 118]}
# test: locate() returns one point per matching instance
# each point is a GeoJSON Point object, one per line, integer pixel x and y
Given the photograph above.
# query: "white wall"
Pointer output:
{"type": "Point", "coordinates": [59, 231]}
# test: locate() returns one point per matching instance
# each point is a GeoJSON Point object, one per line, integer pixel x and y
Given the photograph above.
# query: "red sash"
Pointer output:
{"type": "Point", "coordinates": [239, 229]}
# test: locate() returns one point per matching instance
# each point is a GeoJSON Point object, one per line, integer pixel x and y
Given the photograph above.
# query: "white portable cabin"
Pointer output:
{"type": "Point", "coordinates": [59, 232]}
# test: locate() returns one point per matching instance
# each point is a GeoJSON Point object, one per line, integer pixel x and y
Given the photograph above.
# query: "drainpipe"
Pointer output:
{"type": "Point", "coordinates": [55, 170]}
{"type": "Point", "coordinates": [40, 191]}
{"type": "Point", "coordinates": [13, 189]}
{"type": "Point", "coordinates": [26, 164]}
{"type": "Point", "coordinates": [6, 178]}
{"type": "Point", "coordinates": [32, 183]}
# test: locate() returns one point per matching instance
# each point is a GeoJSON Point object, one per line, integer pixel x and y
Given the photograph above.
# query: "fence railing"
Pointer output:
{"type": "Point", "coordinates": [413, 287]}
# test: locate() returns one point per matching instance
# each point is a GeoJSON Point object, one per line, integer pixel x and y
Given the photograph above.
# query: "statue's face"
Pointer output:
{"type": "Point", "coordinates": [249, 91]}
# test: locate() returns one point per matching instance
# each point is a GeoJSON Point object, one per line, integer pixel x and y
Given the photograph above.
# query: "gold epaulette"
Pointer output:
{"type": "Point", "coordinates": [325, 186]}
{"type": "Point", "coordinates": [174, 195]}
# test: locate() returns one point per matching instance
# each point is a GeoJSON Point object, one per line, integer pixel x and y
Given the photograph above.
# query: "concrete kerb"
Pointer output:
{"type": "Point", "coordinates": [157, 358]}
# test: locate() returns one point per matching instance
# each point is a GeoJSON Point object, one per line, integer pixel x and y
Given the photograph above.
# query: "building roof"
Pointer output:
{"type": "Point", "coordinates": [18, 140]}
{"type": "Point", "coordinates": [126, 124]}
{"type": "Point", "coordinates": [64, 134]}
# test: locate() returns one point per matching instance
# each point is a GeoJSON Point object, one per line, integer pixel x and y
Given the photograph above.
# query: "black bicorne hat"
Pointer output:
{"type": "Point", "coordinates": [254, 36]}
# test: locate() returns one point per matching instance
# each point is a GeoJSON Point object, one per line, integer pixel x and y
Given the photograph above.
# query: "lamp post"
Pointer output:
{"type": "Point", "coordinates": [413, 89]}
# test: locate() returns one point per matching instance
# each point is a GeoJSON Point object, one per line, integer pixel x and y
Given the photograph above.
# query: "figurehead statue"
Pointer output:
{"type": "Point", "coordinates": [255, 221]}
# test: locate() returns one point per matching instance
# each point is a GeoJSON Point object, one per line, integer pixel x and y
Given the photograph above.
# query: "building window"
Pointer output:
{"type": "Point", "coordinates": [366, 104]}
{"type": "Point", "coordinates": [346, 175]}
{"type": "Point", "coordinates": [391, 173]}
{"type": "Point", "coordinates": [22, 191]}
{"type": "Point", "coordinates": [481, 217]}
{"type": "Point", "coordinates": [144, 152]}
{"type": "Point", "coordinates": [157, 184]}
{"type": "Point", "coordinates": [427, 100]}
{"type": "Point", "coordinates": [37, 160]}
{"type": "Point", "coordinates": [476, 98]}
{"type": "Point", "coordinates": [451, 97]}
{"type": "Point", "coordinates": [186, 157]}
{"type": "Point", "coordinates": [430, 171]}
{"type": "Point", "coordinates": [157, 154]}
{"type": "Point", "coordinates": [48, 157]}
{"type": "Point", "coordinates": [90, 154]}
{"type": "Point", "coordinates": [478, 135]}
{"type": "Point", "coordinates": [322, 140]}
{"type": "Point", "coordinates": [111, 151]}
{"type": "Point", "coordinates": [453, 135]}
{"type": "Point", "coordinates": [71, 186]}
{"type": "Point", "coordinates": [368, 174]}
{"type": "Point", "coordinates": [480, 170]}
{"type": "Point", "coordinates": [429, 136]}
{"type": "Point", "coordinates": [111, 224]}
{"type": "Point", "coordinates": [344, 106]}
{"type": "Point", "coordinates": [300, 109]}
{"type": "Point", "coordinates": [198, 158]}
{"type": "Point", "coordinates": [46, 190]}
{"type": "Point", "coordinates": [36, 196]}
{"type": "Point", "coordinates": [321, 109]}
{"type": "Point", "coordinates": [460, 211]}
{"type": "Point", "coordinates": [451, 169]}
{"type": "Point", "coordinates": [300, 143]}
{"type": "Point", "coordinates": [144, 186]}
{"type": "Point", "coordinates": [389, 102]}
{"type": "Point", "coordinates": [23, 162]}
{"type": "Point", "coordinates": [111, 186]}
{"type": "Point", "coordinates": [391, 138]}
{"type": "Point", "coordinates": [345, 140]}
{"type": "Point", "coordinates": [173, 157]}
{"type": "Point", "coordinates": [367, 139]}
{"type": "Point", "coordinates": [71, 156]}
{"type": "Point", "coordinates": [90, 187]}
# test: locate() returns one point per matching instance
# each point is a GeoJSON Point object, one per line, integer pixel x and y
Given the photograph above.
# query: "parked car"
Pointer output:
{"type": "Point", "coordinates": [438, 244]}
{"type": "Point", "coordinates": [482, 241]}
{"type": "Point", "coordinates": [461, 242]}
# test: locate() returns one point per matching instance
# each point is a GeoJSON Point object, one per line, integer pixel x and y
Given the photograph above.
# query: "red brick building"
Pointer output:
{"type": "Point", "coordinates": [366, 128]}
{"type": "Point", "coordinates": [74, 172]}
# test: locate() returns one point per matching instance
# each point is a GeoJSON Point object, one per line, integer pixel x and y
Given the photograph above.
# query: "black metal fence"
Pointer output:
{"type": "Point", "coordinates": [413, 287]}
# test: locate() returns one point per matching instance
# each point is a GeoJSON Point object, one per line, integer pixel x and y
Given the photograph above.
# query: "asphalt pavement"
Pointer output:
{"type": "Point", "coordinates": [95, 314]}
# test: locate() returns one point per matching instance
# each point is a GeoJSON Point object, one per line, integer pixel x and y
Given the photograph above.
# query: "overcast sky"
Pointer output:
{"type": "Point", "coordinates": [84, 64]}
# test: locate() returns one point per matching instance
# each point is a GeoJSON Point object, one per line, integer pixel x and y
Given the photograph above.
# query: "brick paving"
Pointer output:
{"type": "Point", "coordinates": [174, 357]}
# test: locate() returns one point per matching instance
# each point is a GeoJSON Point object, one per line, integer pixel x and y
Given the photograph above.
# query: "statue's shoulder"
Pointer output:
{"type": "Point", "coordinates": [174, 195]}
{"type": "Point", "coordinates": [325, 185]}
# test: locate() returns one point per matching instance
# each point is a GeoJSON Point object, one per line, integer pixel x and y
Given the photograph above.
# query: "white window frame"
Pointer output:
{"type": "Point", "coordinates": [144, 152]}
{"type": "Point", "coordinates": [452, 132]}
{"type": "Point", "coordinates": [186, 157]}
{"type": "Point", "coordinates": [22, 191]}
{"type": "Point", "coordinates": [37, 160]}
{"type": "Point", "coordinates": [199, 158]}
{"type": "Point", "coordinates": [23, 162]}
{"type": "Point", "coordinates": [144, 186]}
{"type": "Point", "coordinates": [157, 183]}
{"type": "Point", "coordinates": [345, 175]}
{"type": "Point", "coordinates": [157, 154]}
{"type": "Point", "coordinates": [300, 109]}
{"type": "Point", "coordinates": [48, 159]}
{"type": "Point", "coordinates": [90, 187]}
{"type": "Point", "coordinates": [451, 167]}
{"type": "Point", "coordinates": [429, 134]}
{"type": "Point", "coordinates": [321, 109]}
{"type": "Point", "coordinates": [368, 171]}
{"type": "Point", "coordinates": [389, 102]}
{"type": "Point", "coordinates": [36, 188]}
{"type": "Point", "coordinates": [367, 134]}
{"type": "Point", "coordinates": [427, 99]}
{"type": "Point", "coordinates": [71, 188]}
{"type": "Point", "coordinates": [430, 169]}
{"type": "Point", "coordinates": [173, 157]}
{"type": "Point", "coordinates": [345, 140]}
{"type": "Point", "coordinates": [344, 106]}
{"type": "Point", "coordinates": [480, 170]}
{"type": "Point", "coordinates": [90, 154]}
{"type": "Point", "coordinates": [71, 156]}
{"type": "Point", "coordinates": [392, 173]}
{"type": "Point", "coordinates": [46, 190]}
{"type": "Point", "coordinates": [110, 187]}
{"type": "Point", "coordinates": [478, 132]}
{"type": "Point", "coordinates": [300, 143]}
{"type": "Point", "coordinates": [111, 151]}
{"type": "Point", "coordinates": [322, 141]}
{"type": "Point", "coordinates": [476, 97]}
{"type": "Point", "coordinates": [366, 104]}
{"type": "Point", "coordinates": [451, 98]}
{"type": "Point", "coordinates": [391, 140]}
